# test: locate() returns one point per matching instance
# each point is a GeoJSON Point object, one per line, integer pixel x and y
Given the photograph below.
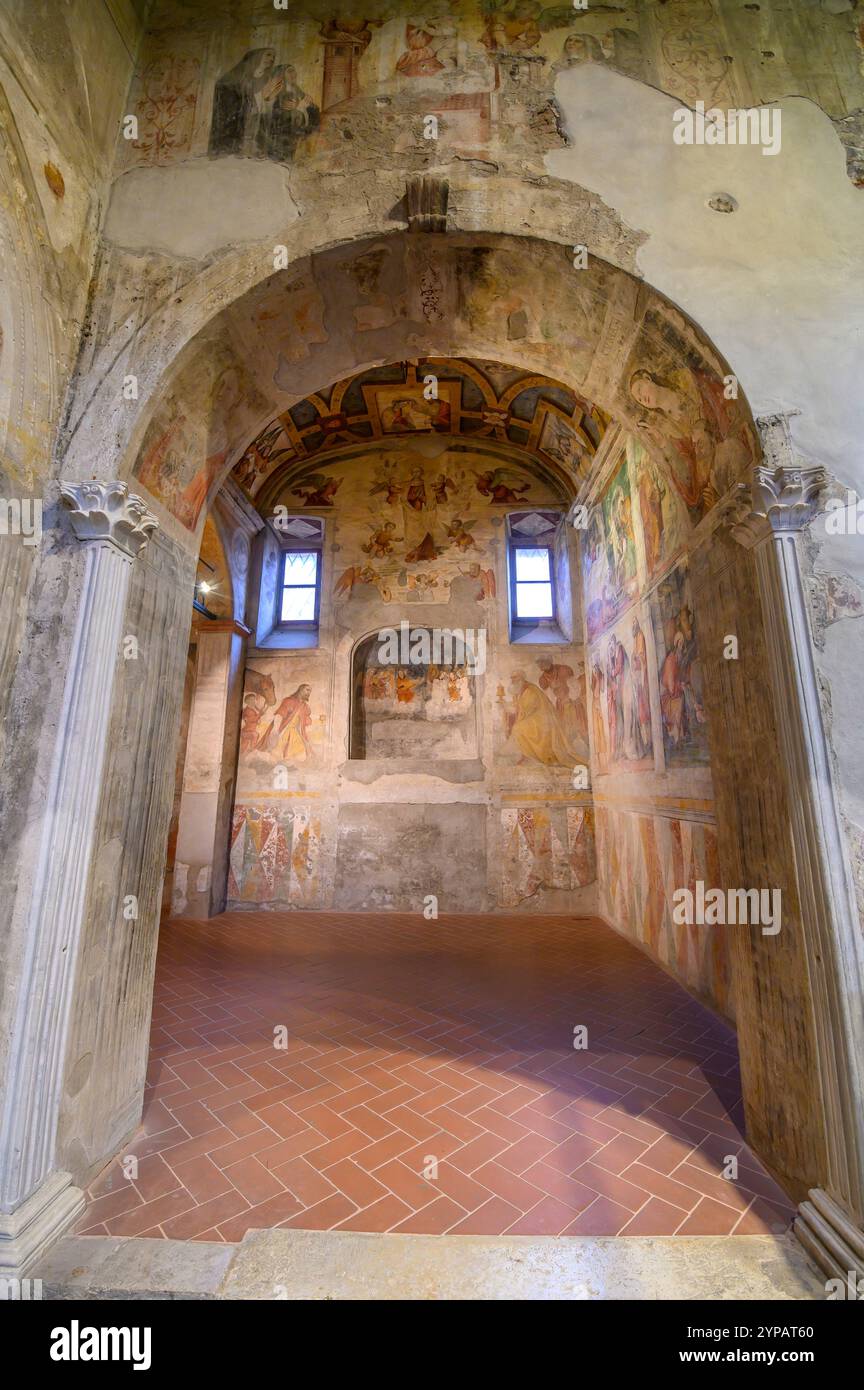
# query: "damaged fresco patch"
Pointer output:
{"type": "Point", "coordinates": [275, 851]}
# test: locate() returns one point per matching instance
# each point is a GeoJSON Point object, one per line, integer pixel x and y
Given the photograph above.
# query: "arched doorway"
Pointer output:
{"type": "Point", "coordinates": [523, 305]}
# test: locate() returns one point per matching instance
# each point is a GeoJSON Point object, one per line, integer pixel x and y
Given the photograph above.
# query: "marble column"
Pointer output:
{"type": "Point", "coordinates": [36, 1202]}
{"type": "Point", "coordinates": [768, 517]}
{"type": "Point", "coordinates": [203, 832]}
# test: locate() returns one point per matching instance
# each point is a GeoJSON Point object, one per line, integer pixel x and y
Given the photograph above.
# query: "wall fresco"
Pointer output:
{"type": "Point", "coordinates": [284, 722]}
{"type": "Point", "coordinates": [245, 83]}
{"type": "Point", "coordinates": [646, 859]}
{"type": "Point", "coordinates": [682, 707]}
{"type": "Point", "coordinates": [275, 854]}
{"type": "Point", "coordinates": [545, 848]}
{"type": "Point", "coordinates": [609, 555]}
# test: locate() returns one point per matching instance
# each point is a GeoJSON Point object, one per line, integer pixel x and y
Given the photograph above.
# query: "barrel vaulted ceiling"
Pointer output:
{"type": "Point", "coordinates": [486, 402]}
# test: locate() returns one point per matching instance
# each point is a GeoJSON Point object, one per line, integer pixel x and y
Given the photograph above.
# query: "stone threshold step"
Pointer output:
{"type": "Point", "coordinates": [340, 1265]}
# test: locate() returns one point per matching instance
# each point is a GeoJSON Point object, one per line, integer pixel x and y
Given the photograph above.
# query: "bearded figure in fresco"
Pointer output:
{"type": "Point", "coordinates": [639, 669]}
{"type": "Point", "coordinates": [688, 410]}
{"type": "Point", "coordinates": [617, 675]}
{"type": "Point", "coordinates": [291, 724]}
{"type": "Point", "coordinates": [536, 727]}
{"type": "Point", "coordinates": [597, 721]}
{"type": "Point", "coordinates": [555, 679]}
{"type": "Point", "coordinates": [680, 705]}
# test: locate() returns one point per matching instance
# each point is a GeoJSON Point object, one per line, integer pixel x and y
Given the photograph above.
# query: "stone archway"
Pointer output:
{"type": "Point", "coordinates": [613, 340]}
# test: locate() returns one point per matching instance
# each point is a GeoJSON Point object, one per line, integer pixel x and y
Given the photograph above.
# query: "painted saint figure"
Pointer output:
{"type": "Point", "coordinates": [259, 110]}
{"type": "Point", "coordinates": [639, 669]}
{"type": "Point", "coordinates": [241, 101]}
{"type": "Point", "coordinates": [292, 721]}
{"type": "Point", "coordinates": [555, 678]}
{"type": "Point", "coordinates": [536, 728]}
{"type": "Point", "coordinates": [597, 721]}
{"type": "Point", "coordinates": [617, 673]}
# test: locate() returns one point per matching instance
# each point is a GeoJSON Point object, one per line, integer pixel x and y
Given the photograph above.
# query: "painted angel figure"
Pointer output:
{"type": "Point", "coordinates": [502, 484]}
{"type": "Point", "coordinates": [381, 541]}
{"type": "Point", "coordinates": [316, 489]}
{"type": "Point", "coordinates": [459, 532]}
{"type": "Point", "coordinates": [688, 411]}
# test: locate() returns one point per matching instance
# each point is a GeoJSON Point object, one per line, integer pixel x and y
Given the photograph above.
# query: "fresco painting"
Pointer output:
{"type": "Point", "coordinates": [430, 47]}
{"type": "Point", "coordinates": [283, 725]}
{"type": "Point", "coordinates": [259, 109]}
{"type": "Point", "coordinates": [648, 858]}
{"type": "Point", "coordinates": [686, 415]}
{"type": "Point", "coordinates": [185, 445]}
{"type": "Point", "coordinates": [170, 463]}
{"type": "Point", "coordinates": [561, 441]}
{"type": "Point", "coordinates": [545, 847]}
{"type": "Point", "coordinates": [418, 523]}
{"type": "Point", "coordinates": [609, 555]}
{"type": "Point", "coordinates": [543, 721]}
{"type": "Point", "coordinates": [682, 707]}
{"type": "Point", "coordinates": [164, 100]}
{"type": "Point", "coordinates": [264, 93]}
{"type": "Point", "coordinates": [663, 517]}
{"type": "Point", "coordinates": [620, 682]}
{"type": "Point", "coordinates": [470, 398]}
{"type": "Point", "coordinates": [420, 709]}
{"type": "Point", "coordinates": [275, 856]}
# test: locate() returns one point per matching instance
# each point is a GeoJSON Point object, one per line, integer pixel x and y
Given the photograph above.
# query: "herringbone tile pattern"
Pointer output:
{"type": "Point", "coordinates": [371, 1073]}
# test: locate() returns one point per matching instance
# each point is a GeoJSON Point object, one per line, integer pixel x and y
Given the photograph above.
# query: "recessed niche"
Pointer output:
{"type": "Point", "coordinates": [412, 709]}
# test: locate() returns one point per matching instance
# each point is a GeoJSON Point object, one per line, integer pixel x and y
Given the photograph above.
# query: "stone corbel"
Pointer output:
{"type": "Point", "coordinates": [426, 198]}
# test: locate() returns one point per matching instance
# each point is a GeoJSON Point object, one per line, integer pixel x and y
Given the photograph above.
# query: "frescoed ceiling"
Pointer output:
{"type": "Point", "coordinates": [475, 400]}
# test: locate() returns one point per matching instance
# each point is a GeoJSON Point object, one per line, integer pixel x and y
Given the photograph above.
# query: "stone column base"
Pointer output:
{"type": "Point", "coordinates": [830, 1237]}
{"type": "Point", "coordinates": [27, 1232]}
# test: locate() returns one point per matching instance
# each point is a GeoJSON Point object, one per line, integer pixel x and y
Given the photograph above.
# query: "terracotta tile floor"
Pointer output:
{"type": "Point", "coordinates": [411, 1044]}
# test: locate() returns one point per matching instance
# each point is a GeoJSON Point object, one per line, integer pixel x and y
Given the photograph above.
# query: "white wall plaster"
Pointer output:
{"type": "Point", "coordinates": [766, 283]}
{"type": "Point", "coordinates": [193, 209]}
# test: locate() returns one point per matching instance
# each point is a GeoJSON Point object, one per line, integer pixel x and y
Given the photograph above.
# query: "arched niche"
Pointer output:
{"type": "Point", "coordinates": [414, 697]}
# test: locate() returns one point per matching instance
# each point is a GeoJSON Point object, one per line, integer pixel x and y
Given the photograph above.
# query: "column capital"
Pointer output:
{"type": "Point", "coordinates": [109, 512]}
{"type": "Point", "coordinates": [779, 499]}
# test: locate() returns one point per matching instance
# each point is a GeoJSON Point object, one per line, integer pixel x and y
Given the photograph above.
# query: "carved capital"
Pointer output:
{"type": "Point", "coordinates": [779, 499]}
{"type": "Point", "coordinates": [109, 512]}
